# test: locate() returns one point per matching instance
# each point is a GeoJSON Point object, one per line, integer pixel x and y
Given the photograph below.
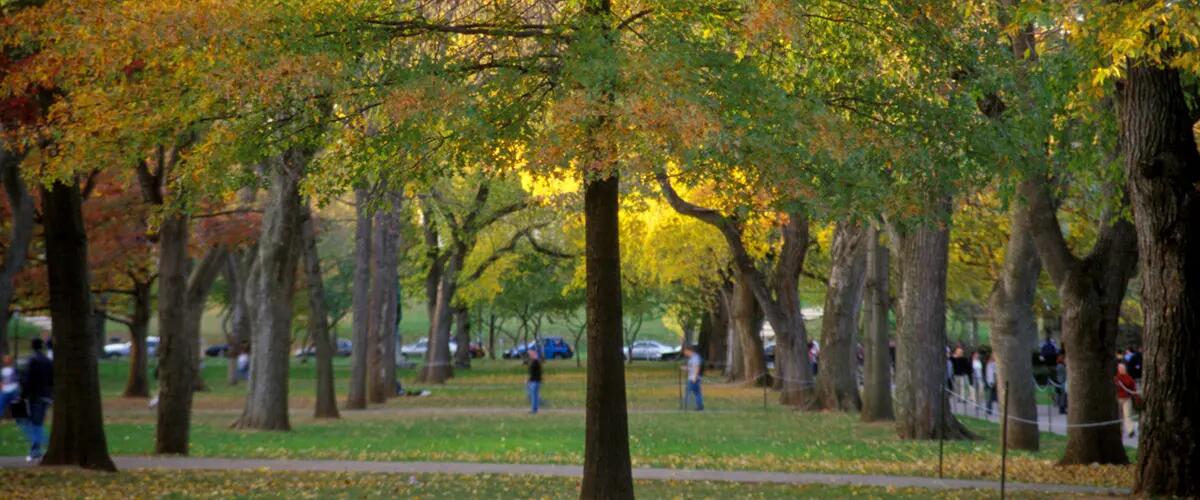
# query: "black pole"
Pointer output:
{"type": "Point", "coordinates": [941, 430]}
{"type": "Point", "coordinates": [679, 385]}
{"type": "Point", "coordinates": [1004, 444]}
{"type": "Point", "coordinates": [763, 382]}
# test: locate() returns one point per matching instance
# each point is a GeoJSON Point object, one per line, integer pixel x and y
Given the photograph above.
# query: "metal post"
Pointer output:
{"type": "Point", "coordinates": [941, 430]}
{"type": "Point", "coordinates": [763, 382]}
{"type": "Point", "coordinates": [1004, 444]}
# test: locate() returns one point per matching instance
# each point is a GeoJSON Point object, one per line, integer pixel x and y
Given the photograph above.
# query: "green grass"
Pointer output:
{"type": "Point", "coordinates": [480, 416]}
{"type": "Point", "coordinates": [263, 484]}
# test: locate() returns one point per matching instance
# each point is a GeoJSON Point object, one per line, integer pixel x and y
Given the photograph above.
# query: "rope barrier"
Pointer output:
{"type": "Point", "coordinates": [1033, 422]}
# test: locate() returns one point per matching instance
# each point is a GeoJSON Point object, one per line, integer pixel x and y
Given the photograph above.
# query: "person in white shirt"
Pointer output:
{"type": "Point", "coordinates": [9, 385]}
{"type": "Point", "coordinates": [989, 379]}
{"type": "Point", "coordinates": [977, 384]}
{"type": "Point", "coordinates": [693, 377]}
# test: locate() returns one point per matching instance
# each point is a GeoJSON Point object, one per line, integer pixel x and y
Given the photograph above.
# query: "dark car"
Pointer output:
{"type": "Point", "coordinates": [769, 353]}
{"type": "Point", "coordinates": [344, 348]}
{"type": "Point", "coordinates": [217, 351]}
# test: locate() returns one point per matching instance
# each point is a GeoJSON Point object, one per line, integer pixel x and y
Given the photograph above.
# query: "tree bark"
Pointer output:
{"type": "Point", "coordinates": [607, 469]}
{"type": "Point", "coordinates": [462, 336]}
{"type": "Point", "coordinates": [746, 317]}
{"type": "Point", "coordinates": [437, 358]}
{"type": "Point", "coordinates": [922, 410]}
{"type": "Point", "coordinates": [176, 352]}
{"type": "Point", "coordinates": [1163, 169]}
{"type": "Point", "coordinates": [361, 345]}
{"type": "Point", "coordinates": [383, 304]}
{"type": "Point", "coordinates": [20, 204]}
{"type": "Point", "coordinates": [77, 429]}
{"type": "Point", "coordinates": [318, 321]}
{"type": "Point", "coordinates": [136, 384]}
{"type": "Point", "coordinates": [278, 253]}
{"type": "Point", "coordinates": [877, 369]}
{"type": "Point", "coordinates": [199, 284]}
{"type": "Point", "coordinates": [735, 363]}
{"type": "Point", "coordinates": [837, 387]}
{"type": "Point", "coordinates": [239, 271]}
{"type": "Point", "coordinates": [1090, 292]}
{"type": "Point", "coordinates": [1014, 330]}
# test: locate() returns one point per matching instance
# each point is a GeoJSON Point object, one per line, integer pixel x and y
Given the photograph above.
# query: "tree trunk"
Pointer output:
{"type": "Point", "coordinates": [607, 469]}
{"type": "Point", "coordinates": [922, 410]}
{"type": "Point", "coordinates": [462, 335]}
{"type": "Point", "coordinates": [746, 318]}
{"type": "Point", "coordinates": [176, 352]}
{"type": "Point", "coordinates": [99, 320]}
{"type": "Point", "coordinates": [492, 338]}
{"type": "Point", "coordinates": [1090, 292]}
{"type": "Point", "coordinates": [1014, 331]}
{"type": "Point", "coordinates": [21, 227]}
{"type": "Point", "coordinates": [318, 320]}
{"type": "Point", "coordinates": [383, 305]}
{"type": "Point", "coordinates": [735, 362]}
{"type": "Point", "coordinates": [877, 369]}
{"type": "Point", "coordinates": [1163, 169]}
{"type": "Point", "coordinates": [717, 346]}
{"type": "Point", "coordinates": [361, 345]}
{"type": "Point", "coordinates": [200, 282]}
{"type": "Point", "coordinates": [837, 387]}
{"type": "Point", "coordinates": [278, 253]}
{"type": "Point", "coordinates": [238, 281]}
{"type": "Point", "coordinates": [437, 358]}
{"type": "Point", "coordinates": [77, 428]}
{"type": "Point", "coordinates": [136, 385]}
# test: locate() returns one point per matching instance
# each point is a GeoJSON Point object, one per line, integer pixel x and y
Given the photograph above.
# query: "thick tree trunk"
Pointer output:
{"type": "Point", "coordinates": [735, 363]}
{"type": "Point", "coordinates": [1014, 331]}
{"type": "Point", "coordinates": [1090, 292]}
{"type": "Point", "coordinates": [437, 358]}
{"type": "Point", "coordinates": [176, 352]}
{"type": "Point", "coordinates": [20, 205]}
{"type": "Point", "coordinates": [361, 302]}
{"type": "Point", "coordinates": [77, 429]}
{"type": "Point", "coordinates": [99, 320]}
{"type": "Point", "coordinates": [200, 283]}
{"type": "Point", "coordinates": [717, 346]}
{"type": "Point", "coordinates": [136, 384]}
{"type": "Point", "coordinates": [278, 253]}
{"type": "Point", "coordinates": [746, 318]}
{"type": "Point", "coordinates": [462, 336]}
{"type": "Point", "coordinates": [922, 410]}
{"type": "Point", "coordinates": [383, 305]}
{"type": "Point", "coordinates": [607, 469]}
{"type": "Point", "coordinates": [1163, 169]}
{"type": "Point", "coordinates": [837, 387]}
{"type": "Point", "coordinates": [877, 369]}
{"type": "Point", "coordinates": [318, 321]}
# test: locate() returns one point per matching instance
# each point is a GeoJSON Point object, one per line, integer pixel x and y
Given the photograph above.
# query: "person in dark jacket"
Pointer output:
{"type": "Point", "coordinates": [37, 389]}
{"type": "Point", "coordinates": [534, 385]}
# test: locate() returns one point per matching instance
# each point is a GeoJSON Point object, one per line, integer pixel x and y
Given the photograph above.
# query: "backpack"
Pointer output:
{"type": "Point", "coordinates": [1135, 365]}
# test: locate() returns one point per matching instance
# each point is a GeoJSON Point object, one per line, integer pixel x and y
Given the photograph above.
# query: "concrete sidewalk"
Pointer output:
{"type": "Point", "coordinates": [190, 463]}
{"type": "Point", "coordinates": [1048, 417]}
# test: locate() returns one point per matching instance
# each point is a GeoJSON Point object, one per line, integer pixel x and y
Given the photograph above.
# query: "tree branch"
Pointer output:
{"type": "Point", "coordinates": [1047, 232]}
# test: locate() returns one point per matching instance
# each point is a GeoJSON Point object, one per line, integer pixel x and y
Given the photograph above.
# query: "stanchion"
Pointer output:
{"type": "Point", "coordinates": [763, 382]}
{"type": "Point", "coordinates": [1004, 444]}
{"type": "Point", "coordinates": [942, 434]}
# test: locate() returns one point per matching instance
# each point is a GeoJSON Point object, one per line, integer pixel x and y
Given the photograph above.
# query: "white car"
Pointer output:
{"type": "Point", "coordinates": [419, 348]}
{"type": "Point", "coordinates": [651, 350]}
{"type": "Point", "coordinates": [121, 349]}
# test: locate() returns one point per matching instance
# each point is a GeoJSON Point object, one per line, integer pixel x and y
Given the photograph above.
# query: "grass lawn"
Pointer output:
{"type": "Point", "coordinates": [480, 416]}
{"type": "Point", "coordinates": [44, 484]}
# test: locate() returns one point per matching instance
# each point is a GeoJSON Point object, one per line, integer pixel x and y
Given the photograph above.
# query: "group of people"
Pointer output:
{"type": "Point", "coordinates": [1129, 387]}
{"type": "Point", "coordinates": [693, 366]}
{"type": "Point", "coordinates": [26, 394]}
{"type": "Point", "coordinates": [973, 379]}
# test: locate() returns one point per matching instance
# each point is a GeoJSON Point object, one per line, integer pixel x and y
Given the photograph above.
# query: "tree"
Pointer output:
{"type": "Point", "coordinates": [837, 388]}
{"type": "Point", "coordinates": [318, 321]}
{"type": "Point", "coordinates": [21, 226]}
{"type": "Point", "coordinates": [77, 430]}
{"type": "Point", "coordinates": [357, 398]}
{"type": "Point", "coordinates": [877, 374]}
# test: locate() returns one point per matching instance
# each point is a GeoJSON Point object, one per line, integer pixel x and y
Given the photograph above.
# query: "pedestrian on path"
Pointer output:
{"type": "Point", "coordinates": [977, 384]}
{"type": "Point", "coordinates": [693, 377]}
{"type": "Point", "coordinates": [989, 380]}
{"type": "Point", "coordinates": [962, 374]}
{"type": "Point", "coordinates": [37, 389]}
{"type": "Point", "coordinates": [9, 385]}
{"type": "Point", "coordinates": [534, 385]}
{"type": "Point", "coordinates": [1125, 396]}
{"type": "Point", "coordinates": [1060, 391]}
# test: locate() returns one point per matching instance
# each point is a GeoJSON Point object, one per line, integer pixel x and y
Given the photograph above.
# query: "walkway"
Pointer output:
{"type": "Point", "coordinates": [1049, 419]}
{"type": "Point", "coordinates": [191, 463]}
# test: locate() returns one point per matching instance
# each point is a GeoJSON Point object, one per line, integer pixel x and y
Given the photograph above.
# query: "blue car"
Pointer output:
{"type": "Point", "coordinates": [550, 348]}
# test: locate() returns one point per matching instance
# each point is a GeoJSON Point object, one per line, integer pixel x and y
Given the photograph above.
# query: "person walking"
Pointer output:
{"type": "Point", "coordinates": [693, 377]}
{"type": "Point", "coordinates": [989, 380]}
{"type": "Point", "coordinates": [37, 389]}
{"type": "Point", "coordinates": [534, 385]}
{"type": "Point", "coordinates": [9, 385]}
{"type": "Point", "coordinates": [1125, 395]}
{"type": "Point", "coordinates": [962, 375]}
{"type": "Point", "coordinates": [1060, 391]}
{"type": "Point", "coordinates": [977, 377]}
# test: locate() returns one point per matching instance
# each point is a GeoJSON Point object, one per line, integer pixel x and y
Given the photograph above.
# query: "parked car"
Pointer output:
{"type": "Point", "coordinates": [344, 348]}
{"type": "Point", "coordinates": [121, 349]}
{"type": "Point", "coordinates": [217, 350]}
{"type": "Point", "coordinates": [769, 352]}
{"type": "Point", "coordinates": [651, 350]}
{"type": "Point", "coordinates": [417, 349]}
{"type": "Point", "coordinates": [549, 348]}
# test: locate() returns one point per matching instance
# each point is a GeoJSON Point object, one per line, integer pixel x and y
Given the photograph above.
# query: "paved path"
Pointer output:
{"type": "Point", "coordinates": [191, 463]}
{"type": "Point", "coordinates": [1049, 419]}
